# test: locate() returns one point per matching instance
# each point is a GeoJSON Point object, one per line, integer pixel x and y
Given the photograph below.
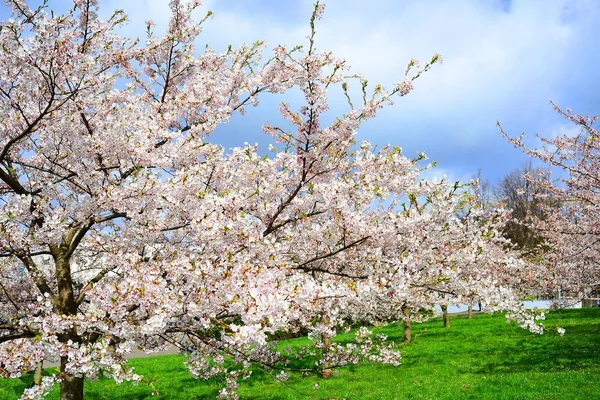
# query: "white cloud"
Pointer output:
{"type": "Point", "coordinates": [449, 174]}
{"type": "Point", "coordinates": [492, 57]}
{"type": "Point", "coordinates": [487, 52]}
{"type": "Point", "coordinates": [500, 62]}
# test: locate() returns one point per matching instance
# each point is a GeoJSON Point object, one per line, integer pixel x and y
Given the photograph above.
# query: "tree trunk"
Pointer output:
{"type": "Point", "coordinates": [480, 306]}
{"type": "Point", "coordinates": [71, 386]}
{"type": "Point", "coordinates": [470, 313]}
{"type": "Point", "coordinates": [326, 368]}
{"type": "Point", "coordinates": [446, 317]}
{"type": "Point", "coordinates": [37, 375]}
{"type": "Point", "coordinates": [406, 322]}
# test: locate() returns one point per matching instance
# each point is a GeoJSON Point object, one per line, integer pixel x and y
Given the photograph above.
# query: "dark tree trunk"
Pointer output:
{"type": "Point", "coordinates": [470, 313]}
{"type": "Point", "coordinates": [71, 386]}
{"type": "Point", "coordinates": [446, 317]}
{"type": "Point", "coordinates": [407, 324]}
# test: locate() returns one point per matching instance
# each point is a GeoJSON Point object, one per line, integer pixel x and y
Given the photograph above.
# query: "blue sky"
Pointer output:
{"type": "Point", "coordinates": [503, 60]}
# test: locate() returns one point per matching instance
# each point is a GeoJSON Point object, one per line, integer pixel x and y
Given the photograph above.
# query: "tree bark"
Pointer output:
{"type": "Point", "coordinates": [446, 317]}
{"type": "Point", "coordinates": [407, 324]}
{"type": "Point", "coordinates": [470, 313]}
{"type": "Point", "coordinates": [71, 386]}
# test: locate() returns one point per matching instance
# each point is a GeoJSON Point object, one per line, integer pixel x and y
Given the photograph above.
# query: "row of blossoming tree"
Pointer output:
{"type": "Point", "coordinates": [123, 226]}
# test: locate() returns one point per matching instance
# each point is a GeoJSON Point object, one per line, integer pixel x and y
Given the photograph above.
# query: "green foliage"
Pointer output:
{"type": "Point", "coordinates": [482, 358]}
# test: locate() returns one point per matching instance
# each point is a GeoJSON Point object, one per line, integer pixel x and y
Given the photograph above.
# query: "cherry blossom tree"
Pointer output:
{"type": "Point", "coordinates": [570, 227]}
{"type": "Point", "coordinates": [123, 226]}
{"type": "Point", "coordinates": [464, 257]}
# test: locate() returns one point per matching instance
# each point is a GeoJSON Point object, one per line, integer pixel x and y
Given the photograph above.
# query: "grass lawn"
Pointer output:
{"type": "Point", "coordinates": [483, 358]}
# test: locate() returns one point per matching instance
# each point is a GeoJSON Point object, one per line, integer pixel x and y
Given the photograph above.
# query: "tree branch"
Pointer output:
{"type": "Point", "coordinates": [304, 265]}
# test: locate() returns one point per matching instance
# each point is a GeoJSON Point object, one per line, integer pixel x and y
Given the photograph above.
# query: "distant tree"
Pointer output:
{"type": "Point", "coordinates": [483, 192]}
{"type": "Point", "coordinates": [521, 192]}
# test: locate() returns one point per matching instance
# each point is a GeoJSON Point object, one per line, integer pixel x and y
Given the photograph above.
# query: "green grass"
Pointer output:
{"type": "Point", "coordinates": [483, 358]}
